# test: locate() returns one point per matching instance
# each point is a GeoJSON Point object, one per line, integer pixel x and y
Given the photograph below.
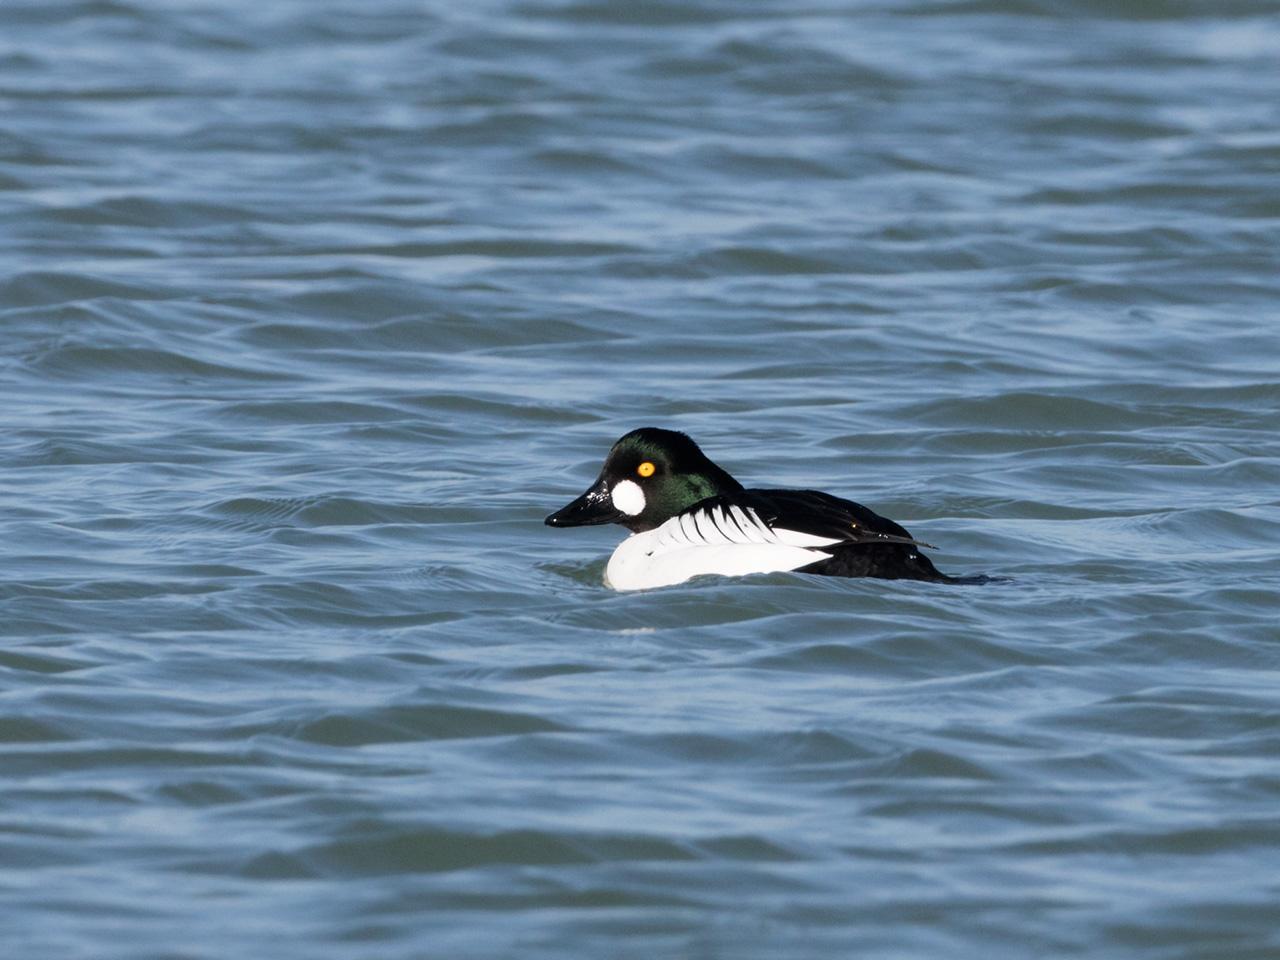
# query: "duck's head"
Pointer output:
{"type": "Point", "coordinates": [649, 476]}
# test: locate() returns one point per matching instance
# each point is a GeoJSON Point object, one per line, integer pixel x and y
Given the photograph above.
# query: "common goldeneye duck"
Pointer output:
{"type": "Point", "coordinates": [689, 517]}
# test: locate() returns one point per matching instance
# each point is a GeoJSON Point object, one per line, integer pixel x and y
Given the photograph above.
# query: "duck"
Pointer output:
{"type": "Point", "coordinates": [689, 517]}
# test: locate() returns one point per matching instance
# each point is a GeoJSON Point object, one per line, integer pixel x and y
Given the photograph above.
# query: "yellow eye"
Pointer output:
{"type": "Point", "coordinates": [646, 469]}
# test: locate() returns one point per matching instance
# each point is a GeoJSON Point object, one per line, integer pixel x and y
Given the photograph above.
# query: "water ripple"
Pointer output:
{"type": "Point", "coordinates": [314, 312]}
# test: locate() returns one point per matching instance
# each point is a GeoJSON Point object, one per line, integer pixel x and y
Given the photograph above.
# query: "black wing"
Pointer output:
{"type": "Point", "coordinates": [821, 514]}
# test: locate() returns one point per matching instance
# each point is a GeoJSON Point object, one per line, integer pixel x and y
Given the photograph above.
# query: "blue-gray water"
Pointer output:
{"type": "Point", "coordinates": [311, 311]}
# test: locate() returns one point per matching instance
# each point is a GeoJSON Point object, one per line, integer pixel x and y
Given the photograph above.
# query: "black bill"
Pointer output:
{"type": "Point", "coordinates": [594, 506]}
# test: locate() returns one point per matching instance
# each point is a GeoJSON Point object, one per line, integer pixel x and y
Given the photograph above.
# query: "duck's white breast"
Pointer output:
{"type": "Point", "coordinates": [732, 542]}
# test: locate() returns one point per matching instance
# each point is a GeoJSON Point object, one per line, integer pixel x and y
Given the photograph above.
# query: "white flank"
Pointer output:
{"type": "Point", "coordinates": [728, 542]}
{"type": "Point", "coordinates": [628, 497]}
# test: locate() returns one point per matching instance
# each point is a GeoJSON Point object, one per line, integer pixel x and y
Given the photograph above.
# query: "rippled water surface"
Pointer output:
{"type": "Point", "coordinates": [312, 311]}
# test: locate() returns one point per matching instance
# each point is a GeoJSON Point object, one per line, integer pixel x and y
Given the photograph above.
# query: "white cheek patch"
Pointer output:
{"type": "Point", "coordinates": [628, 497]}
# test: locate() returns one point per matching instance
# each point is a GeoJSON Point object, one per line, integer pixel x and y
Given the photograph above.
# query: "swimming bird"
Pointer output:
{"type": "Point", "coordinates": [689, 517]}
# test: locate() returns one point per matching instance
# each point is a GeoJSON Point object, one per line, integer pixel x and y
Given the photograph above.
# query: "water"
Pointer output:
{"type": "Point", "coordinates": [312, 311]}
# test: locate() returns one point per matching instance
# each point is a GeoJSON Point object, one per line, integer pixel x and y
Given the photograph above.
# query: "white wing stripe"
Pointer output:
{"type": "Point", "coordinates": [698, 527]}
{"type": "Point", "coordinates": [721, 520]}
{"type": "Point", "coordinates": [749, 523]}
{"type": "Point", "coordinates": [729, 528]}
{"type": "Point", "coordinates": [715, 523]}
{"type": "Point", "coordinates": [720, 526]}
{"type": "Point", "coordinates": [687, 528]}
{"type": "Point", "coordinates": [708, 531]}
{"type": "Point", "coordinates": [735, 531]}
{"type": "Point", "coordinates": [795, 538]}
